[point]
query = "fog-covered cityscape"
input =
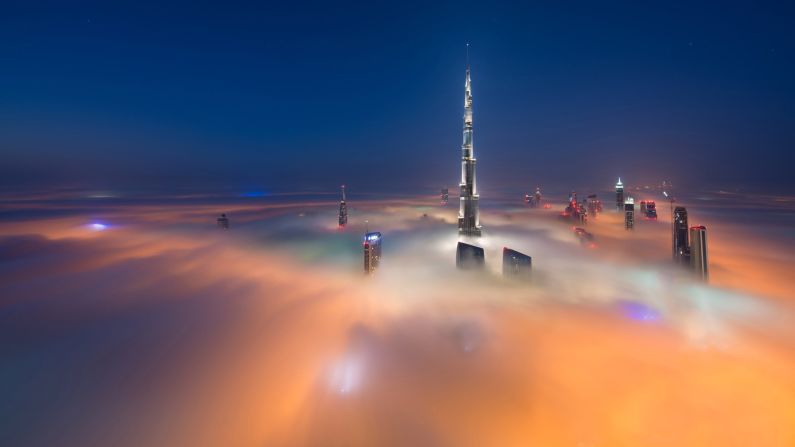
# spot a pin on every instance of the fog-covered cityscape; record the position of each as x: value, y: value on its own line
x: 247, y: 257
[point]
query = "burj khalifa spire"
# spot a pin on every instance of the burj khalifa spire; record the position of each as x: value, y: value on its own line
x: 468, y: 213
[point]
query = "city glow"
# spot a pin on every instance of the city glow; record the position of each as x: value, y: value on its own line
x: 275, y: 320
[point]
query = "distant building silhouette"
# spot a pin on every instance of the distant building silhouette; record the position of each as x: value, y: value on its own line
x: 582, y: 213
x: 651, y: 210
x: 469, y: 257
x: 515, y: 264
x: 343, y: 217
x: 445, y: 196
x: 594, y: 206
x: 533, y: 200
x: 223, y: 222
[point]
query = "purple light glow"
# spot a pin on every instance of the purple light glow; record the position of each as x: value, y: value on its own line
x: 639, y: 311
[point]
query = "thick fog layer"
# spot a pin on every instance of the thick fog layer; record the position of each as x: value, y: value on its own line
x: 142, y: 323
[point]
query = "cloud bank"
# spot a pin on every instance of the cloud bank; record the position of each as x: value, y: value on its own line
x: 159, y: 329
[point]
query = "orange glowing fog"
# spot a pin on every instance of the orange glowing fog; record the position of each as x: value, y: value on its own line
x: 164, y: 330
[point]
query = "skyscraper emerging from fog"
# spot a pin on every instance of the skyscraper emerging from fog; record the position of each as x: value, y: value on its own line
x: 619, y: 195
x: 698, y: 251
x: 516, y: 264
x: 372, y: 251
x: 681, y: 247
x: 629, y: 213
x: 469, y: 257
x: 468, y: 213
x: 223, y: 222
x: 594, y: 206
x: 343, y: 218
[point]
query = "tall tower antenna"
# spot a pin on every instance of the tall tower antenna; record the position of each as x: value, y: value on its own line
x: 468, y: 213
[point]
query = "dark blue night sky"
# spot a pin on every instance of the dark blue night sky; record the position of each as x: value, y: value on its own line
x: 293, y: 96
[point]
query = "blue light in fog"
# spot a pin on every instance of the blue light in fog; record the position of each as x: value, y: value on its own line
x: 254, y: 194
x: 639, y: 311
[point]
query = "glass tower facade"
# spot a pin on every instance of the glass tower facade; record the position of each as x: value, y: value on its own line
x: 468, y: 213
x: 469, y: 257
x: 698, y: 251
x: 681, y: 246
x: 372, y: 251
x: 516, y: 264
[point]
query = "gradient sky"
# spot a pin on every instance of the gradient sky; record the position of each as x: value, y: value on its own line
x: 308, y: 96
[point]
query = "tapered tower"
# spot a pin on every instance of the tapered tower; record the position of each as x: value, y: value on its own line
x: 619, y: 195
x: 468, y: 213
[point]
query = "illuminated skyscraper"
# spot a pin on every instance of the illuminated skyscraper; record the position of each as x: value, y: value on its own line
x: 681, y: 247
x: 372, y: 251
x: 223, y: 222
x: 445, y: 196
x: 619, y: 195
x: 468, y: 213
x: 629, y: 213
x: 698, y: 251
x: 515, y: 264
x: 469, y: 257
x: 343, y: 218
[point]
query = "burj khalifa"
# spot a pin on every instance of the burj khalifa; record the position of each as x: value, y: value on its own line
x: 468, y: 213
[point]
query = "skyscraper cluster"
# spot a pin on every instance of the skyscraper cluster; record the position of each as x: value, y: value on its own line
x: 594, y: 206
x: 575, y: 210
x: 648, y: 208
x: 534, y: 200
x: 689, y: 244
